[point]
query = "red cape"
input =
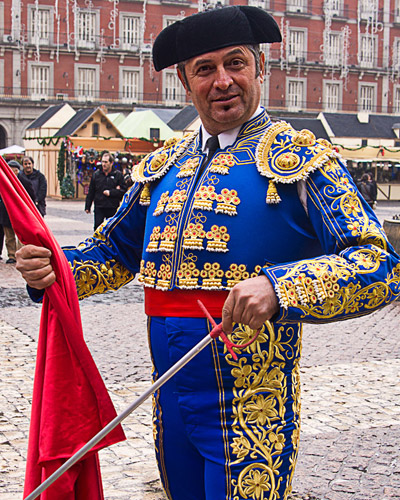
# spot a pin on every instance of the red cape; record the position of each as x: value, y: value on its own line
x: 70, y: 401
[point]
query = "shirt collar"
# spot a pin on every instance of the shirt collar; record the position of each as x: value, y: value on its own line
x: 225, y: 138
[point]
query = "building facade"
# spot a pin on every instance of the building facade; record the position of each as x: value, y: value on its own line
x: 336, y: 56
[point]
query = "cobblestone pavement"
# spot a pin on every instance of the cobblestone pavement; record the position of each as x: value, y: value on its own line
x: 350, y: 444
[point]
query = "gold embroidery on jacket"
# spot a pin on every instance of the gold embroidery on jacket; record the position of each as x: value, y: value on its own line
x: 204, y: 198
x: 188, y: 275
x: 154, y: 239
x: 227, y: 202
x: 148, y: 273
x: 168, y: 239
x: 164, y: 198
x: 164, y: 277
x: 193, y: 237
x: 93, y: 277
x: 218, y: 238
x: 222, y: 163
x: 176, y: 201
x: 188, y: 169
x: 330, y: 299
x: 210, y: 276
x: 236, y: 274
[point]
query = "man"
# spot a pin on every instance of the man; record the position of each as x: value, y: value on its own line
x: 268, y: 227
x: 38, y: 182
x: 106, y: 189
x: 12, y: 242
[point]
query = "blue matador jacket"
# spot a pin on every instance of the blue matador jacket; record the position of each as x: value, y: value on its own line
x: 277, y: 201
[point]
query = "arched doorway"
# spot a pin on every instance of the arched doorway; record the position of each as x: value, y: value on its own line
x: 3, y: 138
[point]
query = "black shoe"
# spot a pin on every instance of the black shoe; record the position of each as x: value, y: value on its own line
x: 11, y: 261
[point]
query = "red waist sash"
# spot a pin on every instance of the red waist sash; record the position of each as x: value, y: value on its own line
x: 183, y: 303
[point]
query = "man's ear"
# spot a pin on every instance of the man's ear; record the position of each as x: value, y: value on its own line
x: 262, y: 66
x: 183, y: 81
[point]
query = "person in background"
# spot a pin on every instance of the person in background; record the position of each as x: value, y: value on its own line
x: 374, y: 188
x: 12, y: 243
x: 366, y: 188
x: 38, y: 181
x: 1, y: 240
x: 127, y: 173
x: 106, y: 189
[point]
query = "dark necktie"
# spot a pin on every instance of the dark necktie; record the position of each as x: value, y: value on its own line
x: 212, y: 144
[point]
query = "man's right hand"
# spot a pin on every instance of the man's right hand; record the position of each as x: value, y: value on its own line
x: 87, y: 211
x: 34, y: 264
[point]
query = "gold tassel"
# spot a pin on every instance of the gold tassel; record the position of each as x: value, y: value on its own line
x: 272, y: 194
x: 145, y: 195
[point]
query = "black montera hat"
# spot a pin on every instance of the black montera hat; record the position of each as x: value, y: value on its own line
x: 212, y: 30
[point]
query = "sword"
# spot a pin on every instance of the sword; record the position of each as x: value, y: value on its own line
x: 215, y: 333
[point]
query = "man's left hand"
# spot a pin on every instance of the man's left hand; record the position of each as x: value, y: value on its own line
x: 106, y: 192
x: 251, y: 302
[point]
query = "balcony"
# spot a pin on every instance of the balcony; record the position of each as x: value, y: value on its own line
x: 296, y: 59
x: 186, y: 3
x: 297, y: 7
x: 86, y: 44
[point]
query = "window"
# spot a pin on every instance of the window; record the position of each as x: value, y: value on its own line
x: 367, y: 97
x: 155, y: 134
x: 332, y: 97
x: 167, y: 21
x: 130, y: 85
x: 95, y: 129
x: 39, y: 29
x: 172, y: 88
x: 367, y: 9
x: 263, y: 4
x: 295, y: 94
x: 296, y: 5
x: 333, y: 49
x: 333, y: 7
x: 396, y: 53
x: 396, y: 100
x: 86, y: 83
x: 217, y: 3
x: 296, y: 47
x: 367, y: 54
x: 86, y: 29
x: 2, y: 75
x: 130, y: 32
x: 397, y: 12
x: 40, y: 81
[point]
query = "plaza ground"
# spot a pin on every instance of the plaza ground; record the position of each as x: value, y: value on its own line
x: 350, y: 441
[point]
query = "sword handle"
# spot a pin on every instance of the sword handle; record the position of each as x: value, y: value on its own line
x: 217, y: 331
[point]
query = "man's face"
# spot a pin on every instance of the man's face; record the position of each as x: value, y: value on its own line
x: 106, y: 164
x: 27, y: 166
x: 223, y: 87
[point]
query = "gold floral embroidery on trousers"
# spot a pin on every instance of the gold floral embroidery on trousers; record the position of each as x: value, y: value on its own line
x: 259, y: 409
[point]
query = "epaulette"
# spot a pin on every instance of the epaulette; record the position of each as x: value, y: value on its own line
x: 156, y: 164
x: 285, y: 155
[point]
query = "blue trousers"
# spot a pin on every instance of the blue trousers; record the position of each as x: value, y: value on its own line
x: 225, y: 429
